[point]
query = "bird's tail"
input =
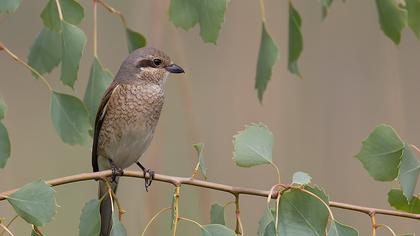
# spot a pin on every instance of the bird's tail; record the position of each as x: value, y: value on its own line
x: 106, y: 206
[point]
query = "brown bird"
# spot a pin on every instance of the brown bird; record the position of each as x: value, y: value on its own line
x: 127, y: 118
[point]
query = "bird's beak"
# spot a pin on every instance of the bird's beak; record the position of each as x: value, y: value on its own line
x: 174, y: 68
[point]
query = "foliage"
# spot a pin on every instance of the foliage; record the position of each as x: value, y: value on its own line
x: 301, y: 208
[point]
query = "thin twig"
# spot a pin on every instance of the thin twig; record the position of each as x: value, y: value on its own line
x: 153, y: 219
x: 16, y: 58
x: 114, y: 11
x: 373, y: 222
x: 389, y: 228
x: 10, y: 223
x: 6, y: 229
x: 60, y: 12
x: 176, y: 181
x: 176, y: 210
x: 262, y: 8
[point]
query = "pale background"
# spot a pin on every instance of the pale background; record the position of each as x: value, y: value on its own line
x: 354, y: 79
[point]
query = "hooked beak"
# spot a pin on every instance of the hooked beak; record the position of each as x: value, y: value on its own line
x: 174, y: 68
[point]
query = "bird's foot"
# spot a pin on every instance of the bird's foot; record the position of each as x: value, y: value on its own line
x: 149, y: 175
x: 116, y: 171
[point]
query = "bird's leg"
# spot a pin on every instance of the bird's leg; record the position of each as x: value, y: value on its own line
x: 148, y: 176
x: 116, y: 171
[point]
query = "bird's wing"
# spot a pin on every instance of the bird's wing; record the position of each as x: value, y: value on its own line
x: 100, y: 116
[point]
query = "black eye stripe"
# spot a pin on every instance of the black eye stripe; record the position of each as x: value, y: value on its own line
x: 145, y: 63
x: 149, y: 63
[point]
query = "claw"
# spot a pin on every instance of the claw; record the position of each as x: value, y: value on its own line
x: 148, y: 176
x: 116, y: 171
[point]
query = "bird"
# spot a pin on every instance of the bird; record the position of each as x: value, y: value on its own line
x: 126, y: 120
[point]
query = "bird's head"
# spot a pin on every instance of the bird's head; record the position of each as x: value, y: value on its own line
x: 148, y: 64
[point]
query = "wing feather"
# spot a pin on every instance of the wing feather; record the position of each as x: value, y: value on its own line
x: 100, y: 116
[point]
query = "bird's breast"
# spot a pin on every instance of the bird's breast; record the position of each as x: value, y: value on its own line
x: 130, y: 120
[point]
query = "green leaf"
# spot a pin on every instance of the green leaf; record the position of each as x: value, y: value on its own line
x: 270, y: 230
x: 90, y: 220
x: 266, y: 220
x: 72, y: 13
x: 325, y: 7
x: 118, y: 228
x: 4, y: 145
x: 3, y: 108
x: 74, y: 42
x: 319, y: 192
x: 392, y: 18
x: 406, y: 235
x: 70, y: 118
x: 45, y: 52
x: 217, y: 214
x: 302, y: 214
x: 301, y: 178
x: 339, y: 229
x: 217, y: 230
x: 199, y: 148
x: 413, y: 16
x: 134, y: 40
x: 397, y: 200
x: 295, y: 40
x: 381, y: 153
x: 409, y: 172
x: 253, y: 146
x: 267, y: 56
x: 99, y: 80
x: 183, y: 13
x: 210, y: 14
x: 34, y: 202
x: 9, y: 6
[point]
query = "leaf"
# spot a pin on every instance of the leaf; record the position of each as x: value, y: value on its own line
x: 319, y: 192
x: 392, y: 18
x: 409, y: 171
x: 183, y: 13
x: 339, y: 229
x: 301, y: 178
x: 45, y: 52
x: 34, y: 202
x: 217, y: 230
x: 199, y: 148
x: 270, y: 230
x: 3, y: 108
x: 134, y: 40
x: 72, y: 13
x: 413, y: 16
x: 217, y: 214
x: 302, y: 214
x: 267, y: 56
x: 325, y: 7
x: 266, y: 220
x: 397, y: 200
x: 99, y: 80
x: 210, y: 14
x: 4, y: 145
x: 381, y: 153
x: 295, y: 40
x: 74, y: 42
x: 90, y: 220
x: 70, y: 118
x: 9, y: 6
x: 117, y: 229
x: 253, y: 146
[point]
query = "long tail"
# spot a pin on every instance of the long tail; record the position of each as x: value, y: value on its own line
x: 106, y: 206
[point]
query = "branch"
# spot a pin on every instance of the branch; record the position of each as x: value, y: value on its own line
x: 178, y: 181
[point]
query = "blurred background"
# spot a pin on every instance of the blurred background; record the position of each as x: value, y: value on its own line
x: 354, y: 79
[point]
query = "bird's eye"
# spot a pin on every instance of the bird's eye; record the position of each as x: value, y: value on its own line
x: 157, y: 62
